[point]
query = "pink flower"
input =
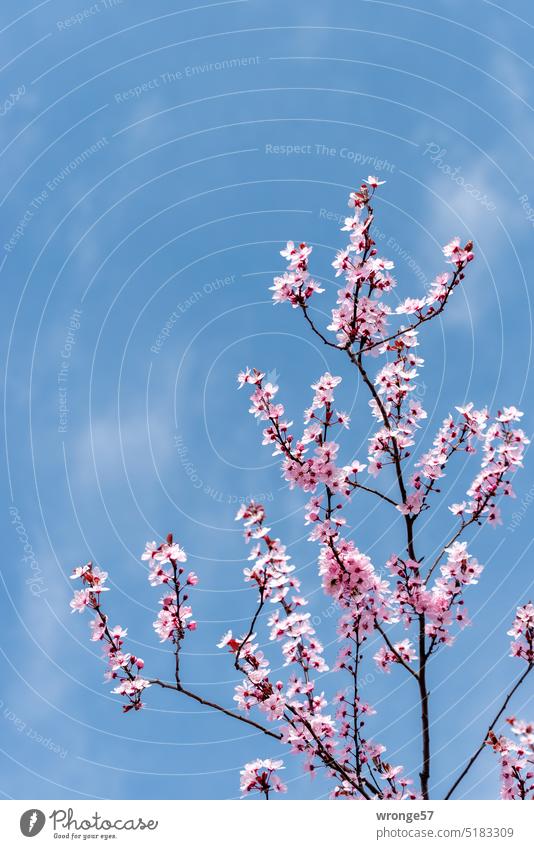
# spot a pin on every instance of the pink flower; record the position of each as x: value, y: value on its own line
x: 170, y: 551
x: 516, y: 760
x: 458, y: 509
x: 273, y: 706
x: 98, y: 626
x: 166, y: 624
x: 509, y: 414
x: 81, y: 600
x: 225, y: 640
x: 80, y: 571
x: 412, y: 505
x: 457, y: 255
x: 130, y: 687
x: 249, y: 377
x: 410, y: 306
x: 296, y: 255
x: 150, y: 551
x: 374, y: 182
x: 494, y: 515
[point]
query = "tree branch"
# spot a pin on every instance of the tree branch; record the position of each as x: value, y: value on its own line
x: 179, y: 688
x: 474, y: 757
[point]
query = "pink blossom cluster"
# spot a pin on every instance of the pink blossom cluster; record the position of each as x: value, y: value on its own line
x: 295, y: 285
x: 445, y: 602
x: 451, y: 437
x: 503, y: 450
x: 523, y: 633
x: 175, y: 616
x: 517, y: 756
x: 289, y: 623
x: 260, y: 776
x: 93, y: 580
x: 516, y: 760
x: 307, y: 728
x: 346, y: 573
x: 257, y: 689
x: 122, y: 667
x: 173, y: 620
x: 360, y: 755
x: 361, y: 315
x: 401, y: 651
x: 306, y: 472
x: 349, y: 576
x: 502, y: 453
x: 395, y: 408
x: 440, y: 602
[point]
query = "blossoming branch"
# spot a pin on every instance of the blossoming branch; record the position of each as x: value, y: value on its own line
x: 417, y: 611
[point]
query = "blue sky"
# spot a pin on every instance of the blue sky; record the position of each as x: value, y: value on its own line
x: 148, y: 170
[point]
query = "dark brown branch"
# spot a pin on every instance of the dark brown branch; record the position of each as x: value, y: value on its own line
x: 492, y: 725
x: 376, y: 492
x: 392, y: 649
x: 179, y: 688
x: 317, y: 332
x: 245, y: 639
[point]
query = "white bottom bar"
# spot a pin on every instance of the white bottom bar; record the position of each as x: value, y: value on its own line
x: 225, y: 825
